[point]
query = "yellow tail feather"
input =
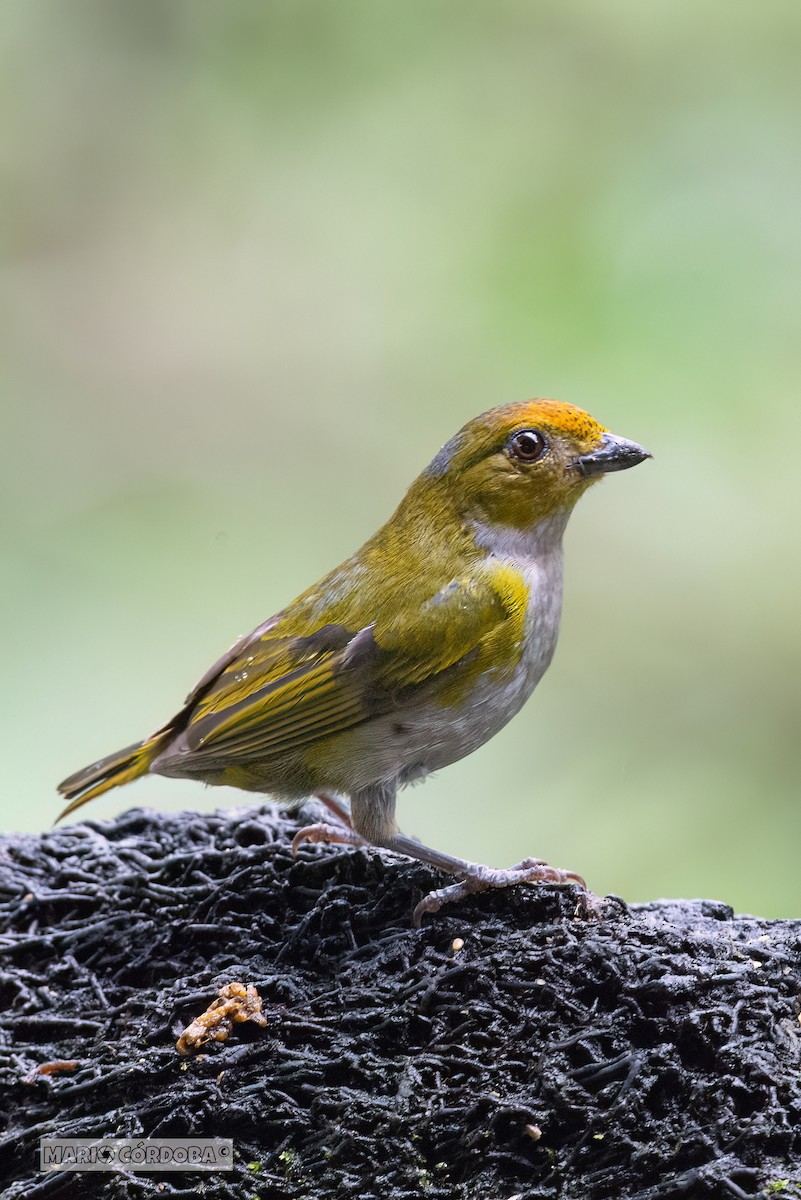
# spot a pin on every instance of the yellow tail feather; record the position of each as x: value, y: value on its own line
x: 113, y: 771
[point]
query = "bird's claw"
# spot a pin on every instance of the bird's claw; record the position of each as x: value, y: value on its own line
x: 321, y: 832
x: 326, y: 832
x: 530, y: 870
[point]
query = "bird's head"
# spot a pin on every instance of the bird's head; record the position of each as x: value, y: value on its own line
x: 517, y: 464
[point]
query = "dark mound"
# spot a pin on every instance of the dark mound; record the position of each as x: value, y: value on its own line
x: 651, y: 1054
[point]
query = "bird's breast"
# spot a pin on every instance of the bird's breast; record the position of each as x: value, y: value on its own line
x: 543, y: 615
x: 426, y: 736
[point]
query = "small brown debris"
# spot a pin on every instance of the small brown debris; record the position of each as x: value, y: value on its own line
x: 234, y: 1004
x: 50, y: 1068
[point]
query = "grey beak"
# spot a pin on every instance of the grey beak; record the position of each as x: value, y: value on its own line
x: 615, y: 454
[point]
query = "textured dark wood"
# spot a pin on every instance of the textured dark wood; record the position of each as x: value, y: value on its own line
x: 655, y: 1053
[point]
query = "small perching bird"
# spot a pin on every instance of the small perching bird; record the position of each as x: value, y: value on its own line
x: 408, y: 656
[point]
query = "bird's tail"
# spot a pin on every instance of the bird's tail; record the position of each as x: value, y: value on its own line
x: 110, y: 772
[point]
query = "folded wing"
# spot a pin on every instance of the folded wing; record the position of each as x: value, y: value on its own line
x: 283, y: 691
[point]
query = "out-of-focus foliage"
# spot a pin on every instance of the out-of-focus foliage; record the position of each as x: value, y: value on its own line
x: 260, y: 260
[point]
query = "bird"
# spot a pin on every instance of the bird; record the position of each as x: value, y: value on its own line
x: 408, y: 656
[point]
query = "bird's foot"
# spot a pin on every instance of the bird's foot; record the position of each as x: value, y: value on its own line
x: 343, y: 832
x: 480, y: 878
x: 322, y: 832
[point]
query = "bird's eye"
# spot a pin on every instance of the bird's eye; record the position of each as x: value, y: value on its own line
x: 528, y: 445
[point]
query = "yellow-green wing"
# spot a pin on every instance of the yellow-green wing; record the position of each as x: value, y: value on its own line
x: 282, y: 692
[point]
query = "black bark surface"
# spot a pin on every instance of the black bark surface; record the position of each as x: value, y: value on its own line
x: 651, y: 1054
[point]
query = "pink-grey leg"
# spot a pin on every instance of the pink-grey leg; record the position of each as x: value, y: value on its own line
x: 371, y: 822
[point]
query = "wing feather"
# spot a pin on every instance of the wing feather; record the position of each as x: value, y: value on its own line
x: 281, y: 691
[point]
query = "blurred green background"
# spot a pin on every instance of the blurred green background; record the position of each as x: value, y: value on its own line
x: 259, y: 260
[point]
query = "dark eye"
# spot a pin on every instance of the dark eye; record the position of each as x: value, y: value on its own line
x: 528, y: 445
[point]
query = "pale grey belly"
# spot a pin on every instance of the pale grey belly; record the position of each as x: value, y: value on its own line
x: 411, y: 743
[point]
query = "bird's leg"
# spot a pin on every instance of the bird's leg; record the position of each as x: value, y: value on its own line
x: 373, y: 816
x: 475, y: 876
x: 323, y: 831
x: 339, y: 808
